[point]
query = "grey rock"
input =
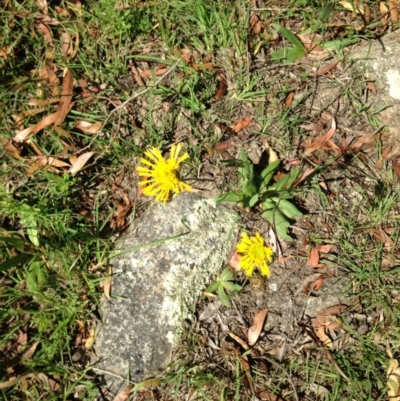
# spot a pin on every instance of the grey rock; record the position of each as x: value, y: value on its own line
x: 166, y: 260
x: 380, y: 59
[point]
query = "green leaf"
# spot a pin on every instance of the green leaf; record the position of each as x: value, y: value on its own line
x: 339, y: 44
x: 15, y: 242
x: 253, y: 200
x: 15, y: 261
x: 287, y: 208
x: 232, y: 197
x: 227, y: 274
x: 213, y: 287
x: 326, y: 11
x: 37, y: 276
x: 231, y: 286
x: 279, y: 221
x: 224, y: 297
x: 287, y: 55
x: 268, y: 173
x: 249, y: 188
x: 290, y: 37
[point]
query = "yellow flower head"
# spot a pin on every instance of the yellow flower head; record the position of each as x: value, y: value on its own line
x: 254, y: 253
x: 162, y: 174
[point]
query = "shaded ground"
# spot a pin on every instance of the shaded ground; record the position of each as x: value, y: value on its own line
x: 205, y: 74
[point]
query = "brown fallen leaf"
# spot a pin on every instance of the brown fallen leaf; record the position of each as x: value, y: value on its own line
x: 29, y: 353
x: 327, y: 320
x: 46, y: 32
x: 87, y: 127
x: 394, y: 12
x: 55, y: 386
x: 372, y: 87
x: 306, y: 173
x: 312, y: 127
x: 90, y: 340
x: 80, y: 162
x: 256, y: 328
x: 34, y: 129
x: 123, y: 394
x: 234, y: 262
x: 242, y: 124
x: 222, y: 87
x: 396, y: 166
x: 15, y: 380
x: 44, y: 161
x: 107, y: 283
x: 289, y: 100
x: 313, y: 258
x: 10, y: 148
x: 66, y: 97
x: 65, y: 40
x: 393, y: 380
x: 42, y: 4
x: 325, y: 69
x: 221, y: 146
x: 321, y: 141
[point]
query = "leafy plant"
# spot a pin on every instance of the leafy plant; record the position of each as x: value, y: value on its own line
x: 223, y: 283
x: 273, y: 198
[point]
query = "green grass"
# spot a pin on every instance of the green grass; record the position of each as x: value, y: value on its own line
x: 57, y: 230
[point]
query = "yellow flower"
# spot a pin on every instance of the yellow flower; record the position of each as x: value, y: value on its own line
x: 254, y: 253
x: 162, y: 174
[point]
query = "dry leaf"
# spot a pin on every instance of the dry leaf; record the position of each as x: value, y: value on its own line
x: 396, y: 166
x: 289, y: 100
x: 42, y: 4
x: 317, y: 284
x: 241, y: 342
x: 29, y: 353
x: 234, y: 262
x: 394, y: 12
x: 393, y: 380
x: 45, y: 30
x: 312, y: 127
x: 256, y: 328
x: 327, y: 320
x: 353, y: 6
x: 321, y: 141
x: 80, y: 162
x: 66, y: 97
x: 308, y: 172
x: 221, y: 146
x: 65, y: 40
x: 107, y: 284
x: 372, y: 87
x: 272, y: 156
x: 222, y: 87
x: 242, y: 124
x: 10, y: 148
x: 24, y: 134
x: 325, y: 69
x: 90, y: 340
x: 15, y: 380
x: 48, y: 381
x: 6, y: 52
x: 46, y: 161
x: 313, y: 258
x: 123, y: 395
x: 87, y: 127
x: 325, y: 248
